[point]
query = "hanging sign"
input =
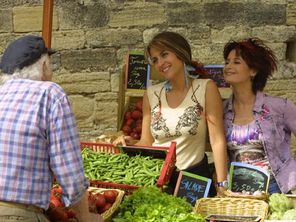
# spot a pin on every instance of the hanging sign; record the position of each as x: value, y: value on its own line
x: 137, y: 72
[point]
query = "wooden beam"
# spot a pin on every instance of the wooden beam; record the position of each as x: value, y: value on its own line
x: 47, y: 22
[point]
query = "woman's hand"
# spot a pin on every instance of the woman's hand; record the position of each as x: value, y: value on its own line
x: 221, y: 192
x: 122, y: 140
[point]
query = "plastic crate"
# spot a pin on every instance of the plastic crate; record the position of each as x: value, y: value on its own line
x: 166, y: 171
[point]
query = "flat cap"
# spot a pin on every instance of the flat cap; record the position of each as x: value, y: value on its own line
x: 23, y: 52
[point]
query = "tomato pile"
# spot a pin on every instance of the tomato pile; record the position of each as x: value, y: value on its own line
x: 57, y: 210
x: 132, y: 123
x: 99, y: 202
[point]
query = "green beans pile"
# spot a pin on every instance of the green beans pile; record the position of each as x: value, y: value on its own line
x: 121, y: 168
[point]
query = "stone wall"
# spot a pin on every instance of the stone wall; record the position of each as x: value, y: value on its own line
x: 93, y: 36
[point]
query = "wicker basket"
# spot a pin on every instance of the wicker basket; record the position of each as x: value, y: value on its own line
x: 232, y: 206
x: 107, y: 215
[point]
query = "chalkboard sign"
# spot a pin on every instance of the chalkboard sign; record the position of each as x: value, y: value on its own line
x: 137, y: 72
x: 192, y: 186
x: 215, y: 72
x: 248, y: 178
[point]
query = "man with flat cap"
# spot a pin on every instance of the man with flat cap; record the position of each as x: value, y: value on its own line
x: 39, y: 140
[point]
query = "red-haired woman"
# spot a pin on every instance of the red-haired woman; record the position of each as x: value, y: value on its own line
x: 258, y: 126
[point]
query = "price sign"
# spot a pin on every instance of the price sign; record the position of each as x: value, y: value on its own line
x: 137, y: 72
x: 215, y: 72
x: 248, y: 178
x: 192, y: 186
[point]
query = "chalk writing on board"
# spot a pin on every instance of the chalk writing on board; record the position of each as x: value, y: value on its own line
x: 138, y: 71
x: 248, y: 178
x: 192, y: 187
x: 215, y: 72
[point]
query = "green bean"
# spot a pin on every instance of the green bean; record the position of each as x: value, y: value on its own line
x: 120, y: 168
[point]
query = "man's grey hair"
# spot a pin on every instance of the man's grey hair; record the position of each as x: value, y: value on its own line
x: 33, y: 72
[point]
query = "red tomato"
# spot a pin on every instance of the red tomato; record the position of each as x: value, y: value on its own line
x: 126, y: 129
x: 129, y: 122
x: 139, y: 105
x: 139, y: 122
x: 138, y: 129
x: 92, y: 203
x: 115, y: 192
x: 100, y: 200
x: 127, y: 115
x: 105, y: 208
x: 136, y: 114
x: 110, y: 196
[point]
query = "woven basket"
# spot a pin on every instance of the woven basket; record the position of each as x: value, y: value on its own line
x: 107, y: 215
x: 232, y: 206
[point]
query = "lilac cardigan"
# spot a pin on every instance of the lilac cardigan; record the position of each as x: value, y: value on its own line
x: 276, y: 118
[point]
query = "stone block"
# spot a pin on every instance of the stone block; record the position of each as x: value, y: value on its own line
x: 115, y: 83
x: 55, y: 61
x: 106, y: 96
x: 84, y: 83
x: 149, y: 33
x: 68, y: 40
x: 113, y: 37
x: 74, y: 15
x: 199, y: 34
x: 184, y: 13
x: 93, y: 60
x: 249, y: 14
x: 281, y: 85
x: 208, y: 54
x: 106, y: 113
x: 291, y: 13
x: 279, y: 50
x: 29, y: 19
x: 230, y: 33
x: 11, y: 3
x: 5, y: 20
x: 137, y: 15
x: 82, y: 107
x: 286, y: 70
x: 274, y: 33
x: 5, y: 39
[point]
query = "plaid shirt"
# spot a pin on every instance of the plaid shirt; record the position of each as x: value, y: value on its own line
x: 38, y: 140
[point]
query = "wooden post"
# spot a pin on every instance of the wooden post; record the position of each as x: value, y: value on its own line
x: 47, y: 22
x: 121, y: 98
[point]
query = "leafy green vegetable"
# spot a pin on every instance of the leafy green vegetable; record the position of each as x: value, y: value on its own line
x: 149, y: 204
x: 289, y: 215
x: 279, y: 203
x: 275, y: 216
